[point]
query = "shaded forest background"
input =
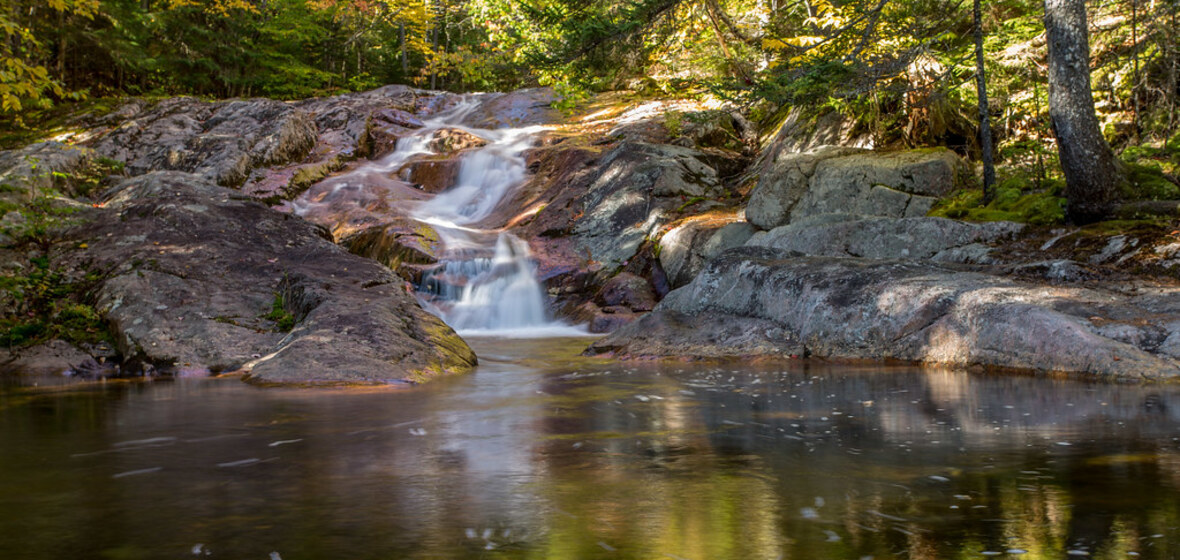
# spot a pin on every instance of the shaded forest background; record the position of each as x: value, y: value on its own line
x: 903, y: 72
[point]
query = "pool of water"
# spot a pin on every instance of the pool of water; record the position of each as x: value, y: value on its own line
x: 542, y: 454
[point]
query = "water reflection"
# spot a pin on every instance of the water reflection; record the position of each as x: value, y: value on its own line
x: 559, y: 457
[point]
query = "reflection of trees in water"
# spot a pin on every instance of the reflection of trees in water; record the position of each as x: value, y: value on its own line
x: 867, y: 445
x: 657, y: 459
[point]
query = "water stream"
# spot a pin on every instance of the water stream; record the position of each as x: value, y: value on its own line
x: 485, y: 282
x: 544, y: 454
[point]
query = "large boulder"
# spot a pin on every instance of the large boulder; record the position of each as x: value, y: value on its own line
x: 848, y: 180
x: 906, y: 310
x: 840, y: 235
x: 635, y: 191
x: 195, y: 278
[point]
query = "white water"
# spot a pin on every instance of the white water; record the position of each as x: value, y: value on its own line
x: 486, y: 281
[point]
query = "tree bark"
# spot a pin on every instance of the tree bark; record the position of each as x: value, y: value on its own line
x: 985, y: 129
x: 1092, y: 174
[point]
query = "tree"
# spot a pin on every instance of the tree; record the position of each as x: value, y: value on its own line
x: 23, y: 78
x: 1092, y: 174
x: 985, y: 129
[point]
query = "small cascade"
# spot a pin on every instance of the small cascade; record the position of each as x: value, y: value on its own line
x: 486, y: 280
x: 496, y: 293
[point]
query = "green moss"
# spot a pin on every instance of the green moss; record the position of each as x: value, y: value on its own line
x: 1015, y: 200
x: 307, y: 176
x: 1147, y: 182
x: 284, y: 321
x: 674, y: 123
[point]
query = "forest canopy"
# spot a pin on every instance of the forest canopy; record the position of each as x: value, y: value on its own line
x: 904, y: 69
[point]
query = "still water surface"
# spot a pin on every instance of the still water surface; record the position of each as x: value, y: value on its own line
x: 540, y: 454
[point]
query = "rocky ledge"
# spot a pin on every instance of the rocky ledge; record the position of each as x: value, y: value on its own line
x: 760, y: 301
x: 197, y: 279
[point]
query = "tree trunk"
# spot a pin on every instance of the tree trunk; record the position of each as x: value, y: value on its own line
x: 1135, y: 125
x: 401, y: 36
x: 1092, y: 174
x: 985, y: 128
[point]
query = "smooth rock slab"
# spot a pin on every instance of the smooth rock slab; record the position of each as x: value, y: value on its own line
x: 189, y: 271
x: 939, y: 239
x: 906, y: 310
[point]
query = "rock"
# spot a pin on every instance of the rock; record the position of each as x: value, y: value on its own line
x: 603, y: 320
x: 785, y: 182
x: 803, y: 130
x: 634, y: 191
x: 1116, y: 248
x: 221, y: 141
x: 349, y: 203
x: 523, y: 107
x: 401, y: 241
x: 629, y: 291
x: 905, y: 310
x: 56, y: 357
x: 190, y: 274
x: 844, y: 180
x: 432, y: 175
x: 670, y: 333
x: 686, y: 248
x: 399, y: 117
x: 1061, y: 270
x: 936, y: 239
x: 448, y: 140
x: 727, y: 130
x: 40, y: 165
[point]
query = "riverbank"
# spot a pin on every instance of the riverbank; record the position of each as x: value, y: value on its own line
x: 665, y: 221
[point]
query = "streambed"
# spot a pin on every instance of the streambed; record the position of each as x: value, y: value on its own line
x: 541, y: 453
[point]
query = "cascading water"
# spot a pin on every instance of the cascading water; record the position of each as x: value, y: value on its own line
x: 486, y: 279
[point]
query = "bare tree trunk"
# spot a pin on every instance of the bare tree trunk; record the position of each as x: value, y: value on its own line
x: 1092, y: 174
x: 985, y: 128
x: 1135, y: 126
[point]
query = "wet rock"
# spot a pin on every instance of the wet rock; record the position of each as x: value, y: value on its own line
x: 906, y: 310
x: 523, y: 107
x: 432, y: 175
x: 448, y: 140
x: 845, y: 180
x: 401, y: 241
x: 192, y: 277
x: 56, y: 357
x: 399, y: 117
x: 936, y: 239
x: 603, y: 320
x: 685, y: 249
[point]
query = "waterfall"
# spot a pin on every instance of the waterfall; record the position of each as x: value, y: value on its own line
x: 486, y: 280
